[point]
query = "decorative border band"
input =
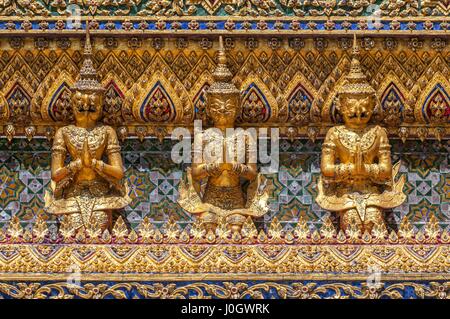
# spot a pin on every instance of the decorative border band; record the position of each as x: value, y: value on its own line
x: 229, y: 26
x: 226, y: 290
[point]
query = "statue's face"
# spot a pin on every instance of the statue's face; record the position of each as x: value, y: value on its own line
x: 223, y: 110
x: 87, y: 106
x: 357, y: 110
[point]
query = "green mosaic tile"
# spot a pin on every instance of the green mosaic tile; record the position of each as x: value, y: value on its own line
x: 154, y: 180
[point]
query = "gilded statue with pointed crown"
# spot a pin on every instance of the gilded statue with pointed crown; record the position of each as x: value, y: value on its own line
x: 223, y: 181
x: 91, y: 184
x: 358, y: 180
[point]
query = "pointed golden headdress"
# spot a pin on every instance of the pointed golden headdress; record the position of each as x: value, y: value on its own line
x: 356, y: 81
x: 87, y: 81
x: 222, y: 76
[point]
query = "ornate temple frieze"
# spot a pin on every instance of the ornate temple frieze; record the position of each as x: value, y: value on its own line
x: 206, y: 17
x: 294, y: 82
x: 91, y: 92
x: 227, y: 8
x: 274, y: 253
x: 201, y: 26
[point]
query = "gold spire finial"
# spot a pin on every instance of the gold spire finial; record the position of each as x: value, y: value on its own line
x: 221, y: 43
x: 88, y: 45
x: 87, y: 81
x: 355, y: 45
x: 222, y: 75
x: 222, y: 54
x: 356, y: 81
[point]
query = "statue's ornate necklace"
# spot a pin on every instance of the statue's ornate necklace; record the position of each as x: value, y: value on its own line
x: 77, y: 135
x: 229, y: 144
x: 351, y: 139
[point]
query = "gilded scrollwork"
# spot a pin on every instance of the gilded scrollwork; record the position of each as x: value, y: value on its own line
x: 290, y: 263
x: 225, y: 290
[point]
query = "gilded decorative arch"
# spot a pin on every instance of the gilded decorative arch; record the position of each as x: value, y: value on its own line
x: 393, y: 97
x: 55, y: 106
x: 433, y: 105
x: 54, y: 86
x: 18, y: 95
x: 113, y: 105
x: 299, y: 95
x: 257, y: 102
x: 156, y: 101
x: 198, y: 96
x: 328, y: 110
x: 112, y: 69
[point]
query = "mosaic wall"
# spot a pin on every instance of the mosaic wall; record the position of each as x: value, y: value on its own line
x: 154, y: 179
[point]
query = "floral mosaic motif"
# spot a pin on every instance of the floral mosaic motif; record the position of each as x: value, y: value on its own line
x: 139, y: 189
x: 158, y: 106
x: 392, y: 102
x: 437, y: 105
x: 300, y: 102
x: 60, y: 107
x: 255, y: 107
x: 112, y: 110
x: 19, y: 103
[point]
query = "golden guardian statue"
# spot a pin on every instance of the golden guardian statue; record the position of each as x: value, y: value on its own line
x: 88, y: 188
x: 357, y: 178
x: 215, y: 186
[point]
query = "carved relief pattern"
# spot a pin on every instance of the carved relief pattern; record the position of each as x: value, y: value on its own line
x: 154, y: 180
x: 154, y: 84
x: 226, y: 289
x: 274, y: 93
x: 200, y: 104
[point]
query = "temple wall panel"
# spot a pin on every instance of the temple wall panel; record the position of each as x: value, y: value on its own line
x: 161, y: 66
